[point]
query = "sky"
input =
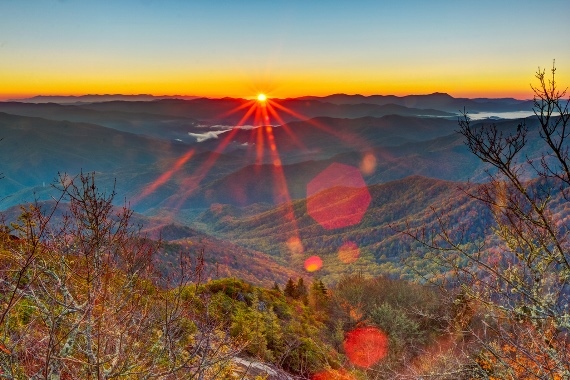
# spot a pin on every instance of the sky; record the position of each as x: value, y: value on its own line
x: 284, y: 48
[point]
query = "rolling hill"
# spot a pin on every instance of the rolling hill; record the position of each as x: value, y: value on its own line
x: 382, y: 248
x: 233, y: 201
x: 222, y: 258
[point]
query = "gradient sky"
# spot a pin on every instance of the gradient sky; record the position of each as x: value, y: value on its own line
x: 281, y: 47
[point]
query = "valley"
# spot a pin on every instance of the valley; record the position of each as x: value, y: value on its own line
x: 229, y: 187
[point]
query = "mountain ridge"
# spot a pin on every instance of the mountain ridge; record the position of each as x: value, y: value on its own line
x: 90, y: 98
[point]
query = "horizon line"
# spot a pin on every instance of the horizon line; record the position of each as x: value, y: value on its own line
x: 18, y: 97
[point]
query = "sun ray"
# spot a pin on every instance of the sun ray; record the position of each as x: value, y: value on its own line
x: 285, y: 109
x: 282, y: 191
x: 286, y: 128
x: 257, y: 117
x: 165, y: 177
x: 262, y: 111
x: 281, y: 194
x: 350, y: 138
x: 190, y: 185
x: 251, y: 109
x: 250, y: 103
x: 260, y: 146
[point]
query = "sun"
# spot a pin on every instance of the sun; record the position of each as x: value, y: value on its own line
x: 261, y: 98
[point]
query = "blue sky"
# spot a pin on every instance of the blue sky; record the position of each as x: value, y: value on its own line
x: 289, y: 47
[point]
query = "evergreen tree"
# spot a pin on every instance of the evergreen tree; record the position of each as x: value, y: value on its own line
x: 290, y: 289
x: 301, y: 291
x: 321, y: 287
x: 276, y: 287
x: 318, y: 295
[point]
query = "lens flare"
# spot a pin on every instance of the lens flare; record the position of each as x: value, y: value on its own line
x: 333, y: 374
x: 295, y: 246
x: 365, y: 346
x: 348, y: 252
x: 165, y: 177
x: 313, y: 264
x: 264, y: 114
x: 368, y: 164
x: 338, y: 197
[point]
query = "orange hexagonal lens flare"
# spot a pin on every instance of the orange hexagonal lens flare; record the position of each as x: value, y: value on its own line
x: 368, y: 164
x: 295, y: 245
x: 313, y: 264
x: 365, y: 346
x: 333, y: 374
x: 348, y: 252
x: 338, y: 197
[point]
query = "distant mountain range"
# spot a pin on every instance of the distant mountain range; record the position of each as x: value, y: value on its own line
x: 439, y: 101
x: 338, y: 105
x: 34, y: 150
x: 436, y: 101
x: 220, y: 110
x: 96, y: 98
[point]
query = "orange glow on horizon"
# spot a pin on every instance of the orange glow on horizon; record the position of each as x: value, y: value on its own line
x: 487, y: 89
x: 20, y: 84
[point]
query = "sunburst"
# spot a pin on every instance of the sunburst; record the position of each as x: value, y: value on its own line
x: 265, y: 113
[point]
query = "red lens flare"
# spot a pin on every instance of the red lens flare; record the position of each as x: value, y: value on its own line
x: 313, y: 264
x: 368, y: 164
x: 365, y: 346
x: 348, y: 252
x: 295, y: 246
x: 338, y: 197
x: 191, y: 183
x: 262, y: 110
x: 333, y: 374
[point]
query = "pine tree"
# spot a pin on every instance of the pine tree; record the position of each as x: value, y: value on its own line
x: 301, y: 291
x: 321, y: 287
x: 276, y: 287
x: 290, y: 289
x: 318, y: 295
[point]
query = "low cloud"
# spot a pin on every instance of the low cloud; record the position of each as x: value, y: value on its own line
x: 228, y: 127
x: 215, y: 126
x: 218, y: 130
x: 206, y: 136
x: 247, y: 127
